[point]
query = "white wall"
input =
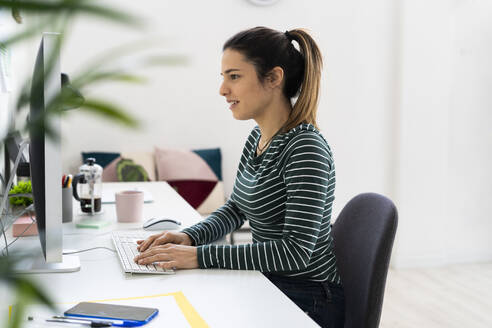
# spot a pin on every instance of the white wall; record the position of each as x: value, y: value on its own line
x: 443, y: 184
x: 470, y: 133
x: 404, y: 103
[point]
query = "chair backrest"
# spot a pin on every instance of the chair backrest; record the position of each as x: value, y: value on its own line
x: 363, y: 235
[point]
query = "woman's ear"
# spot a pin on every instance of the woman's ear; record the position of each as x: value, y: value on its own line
x: 275, y: 77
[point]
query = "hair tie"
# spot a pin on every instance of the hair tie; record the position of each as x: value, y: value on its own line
x: 288, y: 35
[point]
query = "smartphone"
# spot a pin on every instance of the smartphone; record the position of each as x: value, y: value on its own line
x: 127, y: 316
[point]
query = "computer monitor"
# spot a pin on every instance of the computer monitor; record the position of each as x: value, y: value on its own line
x: 45, y: 163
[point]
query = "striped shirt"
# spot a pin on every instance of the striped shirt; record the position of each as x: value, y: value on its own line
x: 287, y: 194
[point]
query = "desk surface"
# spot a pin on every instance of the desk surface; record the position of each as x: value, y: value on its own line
x: 223, y: 298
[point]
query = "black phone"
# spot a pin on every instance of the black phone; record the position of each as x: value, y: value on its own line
x: 131, y: 316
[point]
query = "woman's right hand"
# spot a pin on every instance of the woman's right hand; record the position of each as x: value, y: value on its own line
x: 166, y: 237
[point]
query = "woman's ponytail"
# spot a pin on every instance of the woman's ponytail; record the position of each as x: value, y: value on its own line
x: 305, y: 108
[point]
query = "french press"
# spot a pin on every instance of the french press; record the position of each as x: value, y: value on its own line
x: 87, y: 187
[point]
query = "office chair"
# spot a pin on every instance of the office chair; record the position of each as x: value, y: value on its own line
x: 363, y: 238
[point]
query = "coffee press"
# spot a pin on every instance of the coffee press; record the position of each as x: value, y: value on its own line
x: 87, y: 187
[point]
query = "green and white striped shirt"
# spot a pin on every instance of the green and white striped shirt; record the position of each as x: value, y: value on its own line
x: 287, y: 194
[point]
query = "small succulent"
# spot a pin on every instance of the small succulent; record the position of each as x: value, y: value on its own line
x: 23, y: 187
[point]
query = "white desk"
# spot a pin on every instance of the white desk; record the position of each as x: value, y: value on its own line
x: 223, y: 298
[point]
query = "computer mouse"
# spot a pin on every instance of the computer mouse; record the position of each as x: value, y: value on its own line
x: 161, y: 224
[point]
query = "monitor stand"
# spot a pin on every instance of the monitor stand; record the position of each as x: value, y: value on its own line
x: 70, y: 263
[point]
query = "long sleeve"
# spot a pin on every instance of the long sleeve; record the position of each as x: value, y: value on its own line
x: 221, y: 222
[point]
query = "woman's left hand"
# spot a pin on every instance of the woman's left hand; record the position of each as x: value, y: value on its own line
x: 170, y: 256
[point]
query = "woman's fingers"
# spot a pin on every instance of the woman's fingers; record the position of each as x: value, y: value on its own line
x: 161, y: 240
x: 169, y: 265
x: 181, y: 257
x: 151, y: 252
x: 166, y: 237
x: 147, y: 242
x: 154, y: 258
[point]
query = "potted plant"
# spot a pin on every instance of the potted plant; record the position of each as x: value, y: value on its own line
x: 21, y: 195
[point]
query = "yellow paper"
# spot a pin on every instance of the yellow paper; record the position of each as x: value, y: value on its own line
x: 189, y: 312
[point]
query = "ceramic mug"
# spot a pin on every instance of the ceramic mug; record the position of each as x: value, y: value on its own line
x: 129, y: 205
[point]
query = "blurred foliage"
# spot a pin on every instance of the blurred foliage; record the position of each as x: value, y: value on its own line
x: 57, y: 16
x: 27, y: 292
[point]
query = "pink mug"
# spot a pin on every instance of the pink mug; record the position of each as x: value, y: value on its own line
x: 129, y: 205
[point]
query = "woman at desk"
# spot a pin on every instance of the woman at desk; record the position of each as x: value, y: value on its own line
x: 285, y: 181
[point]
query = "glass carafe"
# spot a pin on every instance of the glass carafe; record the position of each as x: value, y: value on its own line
x: 87, y: 187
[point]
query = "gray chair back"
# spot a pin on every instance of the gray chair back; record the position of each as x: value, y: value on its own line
x: 363, y: 238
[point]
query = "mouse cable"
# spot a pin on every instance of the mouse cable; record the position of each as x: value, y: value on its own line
x: 89, y: 249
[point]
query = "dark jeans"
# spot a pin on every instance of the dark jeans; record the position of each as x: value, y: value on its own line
x: 324, y: 302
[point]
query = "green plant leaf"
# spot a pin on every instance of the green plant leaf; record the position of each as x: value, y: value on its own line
x: 66, y: 99
x: 108, y: 57
x: 16, y: 14
x: 111, y: 111
x: 71, y: 7
x: 97, y: 77
x: 33, y: 291
x: 168, y: 60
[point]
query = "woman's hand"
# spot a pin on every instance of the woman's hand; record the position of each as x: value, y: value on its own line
x: 167, y: 237
x: 170, y: 256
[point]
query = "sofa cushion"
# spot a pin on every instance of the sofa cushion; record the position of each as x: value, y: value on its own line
x: 195, y: 174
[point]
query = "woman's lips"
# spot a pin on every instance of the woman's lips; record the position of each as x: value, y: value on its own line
x: 233, y: 105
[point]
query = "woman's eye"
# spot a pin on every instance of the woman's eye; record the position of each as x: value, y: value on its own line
x: 234, y: 76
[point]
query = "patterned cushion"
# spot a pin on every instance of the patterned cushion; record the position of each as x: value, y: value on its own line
x: 196, y: 175
x: 127, y: 170
x: 145, y: 159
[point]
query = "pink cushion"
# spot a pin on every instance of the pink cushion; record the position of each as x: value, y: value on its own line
x: 175, y: 164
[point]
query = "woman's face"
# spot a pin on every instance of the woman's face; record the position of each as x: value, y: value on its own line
x: 244, y: 92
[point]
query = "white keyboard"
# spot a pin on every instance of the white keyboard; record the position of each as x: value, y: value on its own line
x: 125, y: 243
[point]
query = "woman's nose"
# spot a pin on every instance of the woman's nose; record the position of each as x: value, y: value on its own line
x: 223, y: 90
